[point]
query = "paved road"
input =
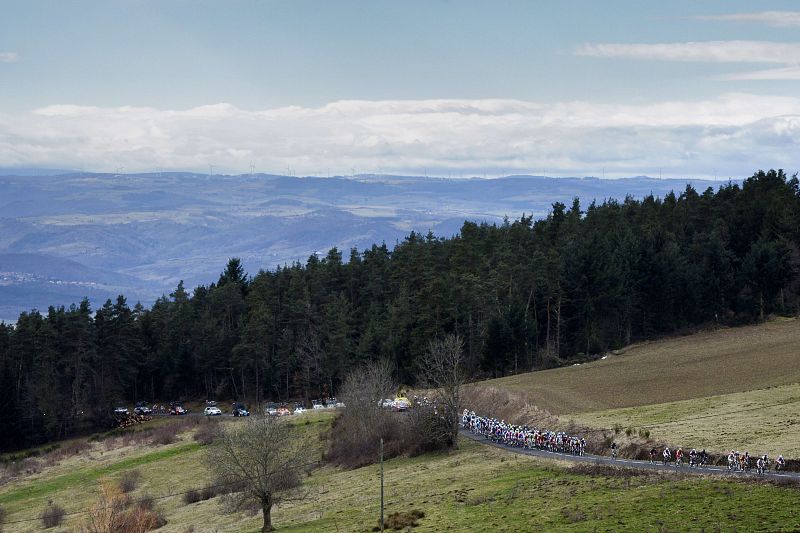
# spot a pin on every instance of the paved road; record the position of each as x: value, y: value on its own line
x: 629, y: 463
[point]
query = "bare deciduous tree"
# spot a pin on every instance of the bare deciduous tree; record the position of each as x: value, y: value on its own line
x: 444, y: 371
x: 265, y: 459
x: 355, y: 440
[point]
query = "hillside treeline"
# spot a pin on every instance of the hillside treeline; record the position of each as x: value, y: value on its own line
x: 523, y: 295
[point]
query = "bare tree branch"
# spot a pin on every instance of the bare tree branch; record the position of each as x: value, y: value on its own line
x: 265, y: 459
x: 444, y: 371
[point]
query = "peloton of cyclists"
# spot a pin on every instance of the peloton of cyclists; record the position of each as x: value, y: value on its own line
x: 508, y: 434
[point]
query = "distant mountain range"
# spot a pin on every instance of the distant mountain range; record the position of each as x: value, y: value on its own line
x: 66, y: 236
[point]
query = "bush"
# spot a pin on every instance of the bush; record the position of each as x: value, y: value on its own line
x: 146, y: 502
x: 401, y: 520
x: 114, y: 512
x: 129, y: 481
x: 53, y: 516
x: 193, y: 496
x: 428, y: 431
x: 209, y: 492
x: 163, y: 436
x: 354, y: 444
x: 207, y: 432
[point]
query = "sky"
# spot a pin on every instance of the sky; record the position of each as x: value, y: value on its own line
x: 438, y: 87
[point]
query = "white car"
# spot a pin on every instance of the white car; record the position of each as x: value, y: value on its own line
x: 387, y: 403
x: 212, y: 411
x: 299, y: 410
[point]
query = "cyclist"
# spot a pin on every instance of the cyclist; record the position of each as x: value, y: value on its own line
x: 667, y: 455
x: 678, y: 457
x: 703, y: 457
x: 780, y: 463
x: 653, y: 453
x: 613, y: 450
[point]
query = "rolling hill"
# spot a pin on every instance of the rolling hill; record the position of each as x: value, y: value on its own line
x: 722, y: 389
x: 156, y: 229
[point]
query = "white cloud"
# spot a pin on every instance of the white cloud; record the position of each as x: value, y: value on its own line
x: 732, y: 134
x: 707, y: 51
x: 8, y: 57
x: 786, y: 73
x: 777, y: 19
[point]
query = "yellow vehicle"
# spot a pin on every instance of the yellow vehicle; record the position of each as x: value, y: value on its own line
x: 401, y: 403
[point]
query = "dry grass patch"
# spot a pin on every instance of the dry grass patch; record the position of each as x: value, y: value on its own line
x: 760, y: 421
x: 700, y: 365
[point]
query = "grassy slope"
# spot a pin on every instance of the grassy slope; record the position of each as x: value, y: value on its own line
x: 477, y: 488
x: 705, y: 364
x: 760, y: 421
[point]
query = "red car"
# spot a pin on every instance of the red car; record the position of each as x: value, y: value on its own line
x: 177, y: 410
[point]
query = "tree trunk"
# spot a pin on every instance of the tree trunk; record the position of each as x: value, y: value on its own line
x: 558, y: 327
x: 266, y: 508
x: 547, y: 336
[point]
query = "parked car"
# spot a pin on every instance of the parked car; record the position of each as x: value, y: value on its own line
x: 336, y: 403
x: 401, y: 403
x: 387, y: 403
x: 119, y: 411
x: 212, y: 411
x: 271, y: 409
x: 142, y: 410
x: 283, y: 411
x: 239, y: 409
x: 177, y: 409
x: 299, y: 408
x: 317, y: 404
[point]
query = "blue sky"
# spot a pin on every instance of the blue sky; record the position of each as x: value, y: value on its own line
x: 400, y: 86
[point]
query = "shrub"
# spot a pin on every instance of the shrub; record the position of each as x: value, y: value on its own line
x: 401, y: 520
x: 628, y: 431
x: 113, y: 512
x: 140, y: 520
x: 129, y: 481
x: 427, y: 431
x: 193, y: 496
x: 207, y: 432
x: 163, y: 436
x: 146, y: 502
x: 53, y: 515
x: 209, y: 492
